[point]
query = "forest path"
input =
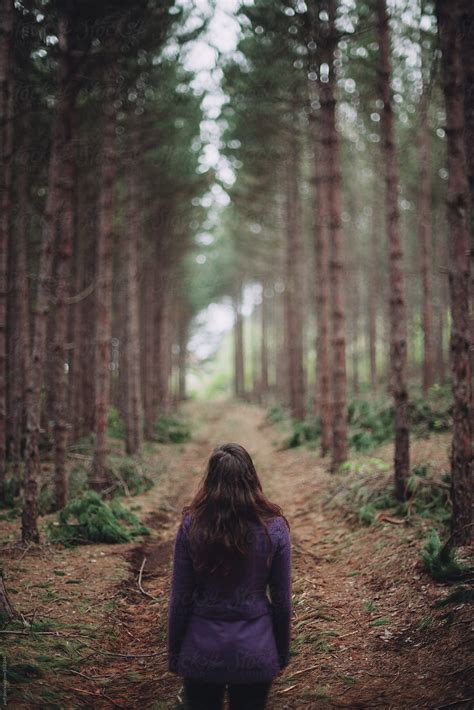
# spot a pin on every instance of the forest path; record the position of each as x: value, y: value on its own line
x: 365, y: 633
x: 358, y: 594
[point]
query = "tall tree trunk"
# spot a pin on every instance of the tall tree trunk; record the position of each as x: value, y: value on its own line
x: 373, y: 293
x: 134, y: 408
x: 355, y: 307
x: 424, y: 231
x: 264, y: 343
x: 76, y: 370
x: 458, y: 213
x: 239, y: 387
x: 294, y: 284
x: 148, y: 349
x: 321, y: 248
x: 66, y: 232
x: 98, y: 472
x: 398, y: 338
x: 35, y: 376
x: 441, y: 259
x: 21, y: 346
x: 6, y: 127
x: 466, y: 25
x: 182, y: 355
x: 336, y: 265
x: 7, y: 612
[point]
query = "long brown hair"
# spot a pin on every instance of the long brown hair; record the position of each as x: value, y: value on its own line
x: 229, y: 498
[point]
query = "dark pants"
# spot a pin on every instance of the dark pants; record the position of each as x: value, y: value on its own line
x: 210, y: 696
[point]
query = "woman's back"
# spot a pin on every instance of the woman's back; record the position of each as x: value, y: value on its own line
x: 230, y: 606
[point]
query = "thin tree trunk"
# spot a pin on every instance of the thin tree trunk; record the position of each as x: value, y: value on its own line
x: 373, y: 293
x: 7, y: 612
x: 442, y: 258
x: 424, y: 231
x: 321, y: 247
x: 76, y: 373
x: 134, y: 408
x: 98, y: 472
x: 21, y: 347
x: 60, y: 384
x: 355, y: 329
x: 458, y: 213
x: 398, y: 338
x: 264, y: 344
x: 466, y: 25
x: 336, y: 266
x: 6, y: 117
x: 148, y: 350
x: 182, y: 355
x: 165, y: 344
x: 239, y: 387
x: 35, y: 375
x: 293, y: 290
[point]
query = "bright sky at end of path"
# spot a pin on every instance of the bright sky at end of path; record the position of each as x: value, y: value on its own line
x: 201, y: 57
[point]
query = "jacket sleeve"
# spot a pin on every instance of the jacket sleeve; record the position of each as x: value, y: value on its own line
x: 280, y: 593
x: 180, y: 604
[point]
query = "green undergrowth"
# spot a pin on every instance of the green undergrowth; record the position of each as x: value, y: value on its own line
x: 172, y: 430
x: 33, y: 659
x: 440, y: 561
x: 89, y: 519
x: 462, y: 594
x: 368, y: 490
x: 168, y: 430
x: 371, y: 423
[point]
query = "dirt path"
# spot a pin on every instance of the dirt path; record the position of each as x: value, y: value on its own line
x: 365, y: 633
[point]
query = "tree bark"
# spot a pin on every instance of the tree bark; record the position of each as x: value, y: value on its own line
x: 182, y: 355
x: 98, y: 472
x: 21, y: 357
x: 293, y: 286
x: 458, y: 215
x: 134, y: 408
x: 398, y: 338
x: 148, y: 349
x: 425, y: 238
x: 466, y: 25
x: 66, y: 232
x: 321, y: 249
x: 239, y: 386
x: 336, y: 265
x: 7, y: 612
x: 6, y: 117
x: 264, y: 343
x: 35, y: 376
x: 373, y: 292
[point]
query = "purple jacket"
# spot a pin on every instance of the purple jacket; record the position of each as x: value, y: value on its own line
x: 232, y: 633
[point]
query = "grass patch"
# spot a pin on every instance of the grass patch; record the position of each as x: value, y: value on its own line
x: 424, y: 622
x: 383, y: 621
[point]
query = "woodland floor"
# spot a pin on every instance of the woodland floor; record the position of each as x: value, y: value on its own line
x: 365, y: 633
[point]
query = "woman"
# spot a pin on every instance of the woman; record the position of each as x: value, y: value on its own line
x: 223, y: 630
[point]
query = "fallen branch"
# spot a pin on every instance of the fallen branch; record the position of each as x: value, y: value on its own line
x: 280, y: 692
x: 388, y: 519
x: 147, y: 594
x: 92, y: 677
x: 310, y: 668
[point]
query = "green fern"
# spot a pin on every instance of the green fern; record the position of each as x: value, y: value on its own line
x: 439, y: 560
